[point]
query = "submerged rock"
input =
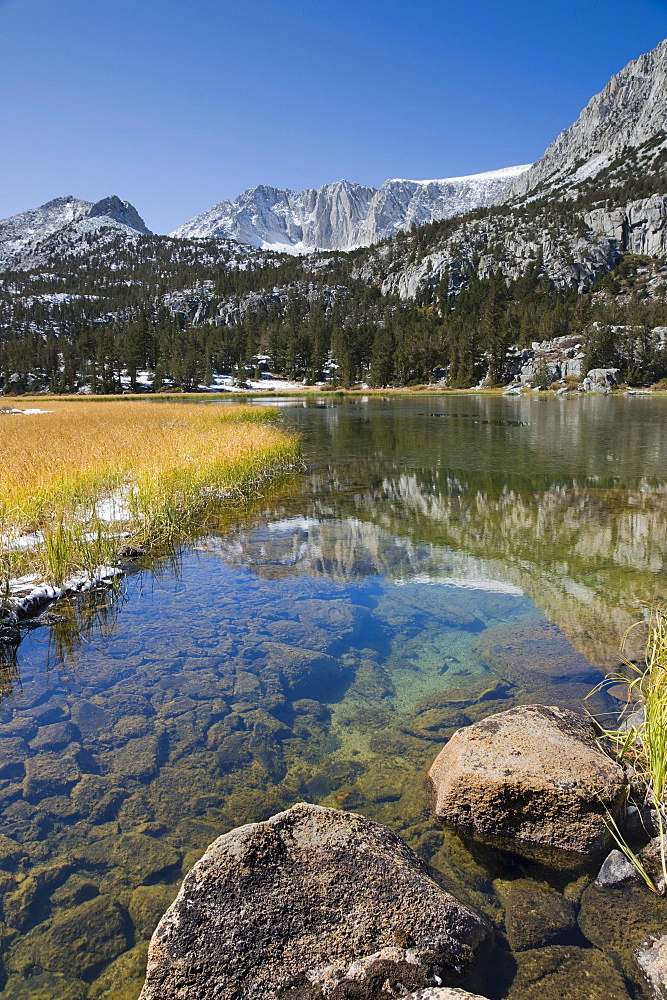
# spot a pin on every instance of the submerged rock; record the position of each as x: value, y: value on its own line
x: 562, y: 971
x: 534, y: 654
x: 309, y: 901
x: 619, y: 917
x: 537, y: 916
x: 534, y: 776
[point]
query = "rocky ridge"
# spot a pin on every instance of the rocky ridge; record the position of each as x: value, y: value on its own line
x: 343, y: 215
x: 630, y: 111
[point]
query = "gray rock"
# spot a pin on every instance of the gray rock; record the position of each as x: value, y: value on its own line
x: 443, y: 993
x: 534, y: 776
x: 313, y: 898
x: 615, y: 869
x: 601, y: 379
x: 651, y: 958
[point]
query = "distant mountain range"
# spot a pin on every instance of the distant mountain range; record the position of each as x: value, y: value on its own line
x: 629, y: 113
x: 343, y: 215
x: 336, y: 216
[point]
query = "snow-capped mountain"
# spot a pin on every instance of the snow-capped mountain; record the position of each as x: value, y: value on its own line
x: 630, y: 112
x: 343, y: 215
x: 26, y: 235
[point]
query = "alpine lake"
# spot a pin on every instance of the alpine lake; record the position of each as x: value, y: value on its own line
x: 439, y: 559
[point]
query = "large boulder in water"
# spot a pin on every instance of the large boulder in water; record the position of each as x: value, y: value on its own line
x: 534, y: 776
x: 311, y: 901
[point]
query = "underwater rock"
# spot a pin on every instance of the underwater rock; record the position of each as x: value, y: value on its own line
x: 13, y: 752
x: 537, y: 916
x: 122, y: 979
x: 147, y: 906
x: 74, y: 941
x: 45, y: 986
x: 563, y: 971
x: 304, y: 672
x: 133, y: 858
x: 49, y: 774
x: 139, y: 758
x: 618, y: 919
x: 534, y: 653
x: 54, y: 737
x: 10, y: 853
x: 533, y: 775
x: 314, y: 897
x: 651, y: 957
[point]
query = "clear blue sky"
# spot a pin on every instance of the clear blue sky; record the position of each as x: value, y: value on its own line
x: 177, y: 104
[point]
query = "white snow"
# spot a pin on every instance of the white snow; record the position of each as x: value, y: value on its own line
x: 462, y: 583
x: 487, y: 175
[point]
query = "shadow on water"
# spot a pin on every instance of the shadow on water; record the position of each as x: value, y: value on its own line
x: 322, y: 644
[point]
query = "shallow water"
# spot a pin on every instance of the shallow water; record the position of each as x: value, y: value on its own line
x: 322, y: 645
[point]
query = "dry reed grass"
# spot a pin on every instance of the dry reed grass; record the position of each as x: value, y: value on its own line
x: 165, y: 465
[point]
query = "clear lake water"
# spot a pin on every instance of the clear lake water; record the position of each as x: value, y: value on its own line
x: 321, y: 644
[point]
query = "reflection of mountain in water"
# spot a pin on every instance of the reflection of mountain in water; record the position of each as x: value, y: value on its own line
x: 349, y: 549
x: 587, y: 557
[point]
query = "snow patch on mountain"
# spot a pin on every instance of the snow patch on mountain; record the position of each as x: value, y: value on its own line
x: 343, y: 215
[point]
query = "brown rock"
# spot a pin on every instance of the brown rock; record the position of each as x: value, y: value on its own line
x: 312, y: 900
x: 532, y: 775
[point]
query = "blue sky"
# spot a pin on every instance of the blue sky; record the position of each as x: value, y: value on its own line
x: 176, y: 105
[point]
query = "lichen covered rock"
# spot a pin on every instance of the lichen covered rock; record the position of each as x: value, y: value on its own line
x: 309, y: 901
x: 533, y: 776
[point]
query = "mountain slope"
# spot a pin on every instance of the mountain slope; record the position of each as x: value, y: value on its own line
x: 24, y: 237
x: 629, y: 112
x: 343, y: 215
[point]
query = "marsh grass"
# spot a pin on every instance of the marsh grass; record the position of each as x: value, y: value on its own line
x: 72, y: 480
x: 641, y: 741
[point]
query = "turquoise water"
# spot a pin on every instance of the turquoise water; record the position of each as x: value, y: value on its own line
x: 322, y: 644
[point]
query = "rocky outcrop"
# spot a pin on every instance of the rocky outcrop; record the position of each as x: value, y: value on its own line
x: 308, y: 902
x: 639, y: 227
x: 602, y: 380
x: 533, y: 776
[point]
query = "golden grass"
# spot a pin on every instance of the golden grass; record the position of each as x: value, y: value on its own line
x: 170, y: 464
